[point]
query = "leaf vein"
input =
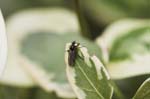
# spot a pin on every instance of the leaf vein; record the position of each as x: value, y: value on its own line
x: 88, y: 90
x: 96, y: 90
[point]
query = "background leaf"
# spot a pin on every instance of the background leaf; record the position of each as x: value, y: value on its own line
x: 144, y: 91
x: 88, y: 77
x: 106, y: 11
x: 16, y: 75
x: 13, y: 92
x: 3, y: 44
x: 125, y: 61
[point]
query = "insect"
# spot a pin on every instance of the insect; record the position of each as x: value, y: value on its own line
x: 72, y: 53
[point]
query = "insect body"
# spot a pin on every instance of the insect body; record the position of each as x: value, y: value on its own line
x: 72, y: 53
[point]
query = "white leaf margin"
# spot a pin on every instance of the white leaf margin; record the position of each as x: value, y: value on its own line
x: 71, y: 71
x: 3, y: 44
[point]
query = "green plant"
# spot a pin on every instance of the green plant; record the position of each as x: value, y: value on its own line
x: 113, y: 66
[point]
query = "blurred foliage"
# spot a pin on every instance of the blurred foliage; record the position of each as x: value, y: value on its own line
x: 43, y: 49
x: 137, y: 40
x: 41, y: 94
x: 127, y: 42
x: 12, y: 92
x: 130, y: 85
x: 109, y: 10
x: 10, y: 6
x: 97, y: 13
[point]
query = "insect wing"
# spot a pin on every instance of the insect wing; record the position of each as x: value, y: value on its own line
x: 71, y: 58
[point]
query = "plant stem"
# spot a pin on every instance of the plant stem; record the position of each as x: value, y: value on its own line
x: 82, y: 22
x: 117, y: 91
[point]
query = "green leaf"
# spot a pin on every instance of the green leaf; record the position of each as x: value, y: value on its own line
x: 128, y: 46
x: 144, y: 91
x: 88, y: 77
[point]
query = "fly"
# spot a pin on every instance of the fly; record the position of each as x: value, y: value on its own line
x: 72, y: 53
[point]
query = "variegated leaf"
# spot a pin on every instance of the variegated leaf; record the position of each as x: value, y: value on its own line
x: 144, y: 91
x: 88, y: 77
x: 126, y: 45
